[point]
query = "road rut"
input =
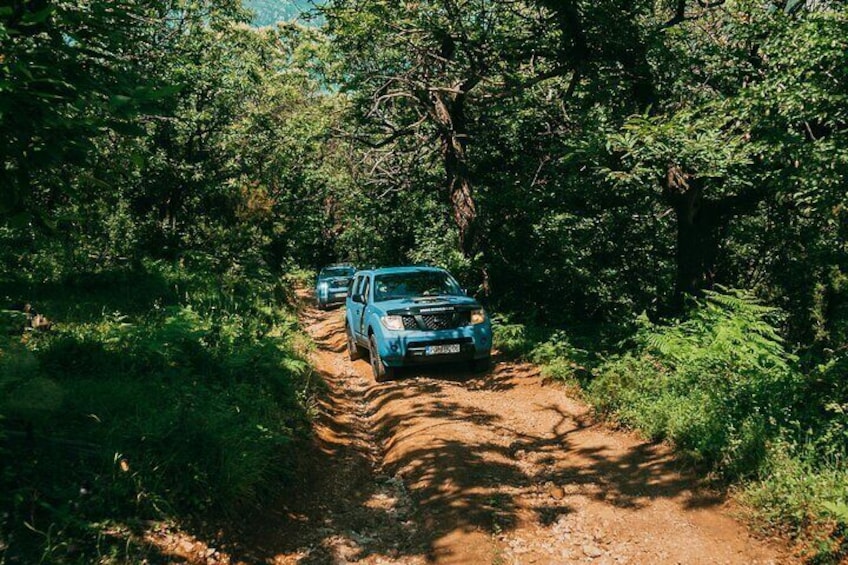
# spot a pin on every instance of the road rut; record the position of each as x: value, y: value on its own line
x: 451, y: 467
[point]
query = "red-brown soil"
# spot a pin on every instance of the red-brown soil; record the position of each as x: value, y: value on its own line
x: 451, y: 467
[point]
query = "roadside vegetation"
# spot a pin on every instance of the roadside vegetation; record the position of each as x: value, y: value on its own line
x: 151, y: 365
x: 156, y: 393
x: 723, y: 388
x: 650, y: 196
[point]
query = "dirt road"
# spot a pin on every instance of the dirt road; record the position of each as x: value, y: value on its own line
x: 451, y: 467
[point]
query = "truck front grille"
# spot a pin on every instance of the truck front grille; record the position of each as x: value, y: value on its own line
x: 435, y: 322
x: 438, y: 321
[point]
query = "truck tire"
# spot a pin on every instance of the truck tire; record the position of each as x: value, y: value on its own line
x: 378, y: 368
x: 353, y: 349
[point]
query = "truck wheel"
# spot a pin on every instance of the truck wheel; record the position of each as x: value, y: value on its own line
x: 381, y: 372
x: 353, y: 349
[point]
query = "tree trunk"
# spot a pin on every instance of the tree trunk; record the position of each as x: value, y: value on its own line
x: 460, y: 191
x: 450, y: 116
x: 697, y: 243
x: 691, y: 256
x: 700, y: 226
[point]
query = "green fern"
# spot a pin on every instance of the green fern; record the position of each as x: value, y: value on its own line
x: 731, y: 323
x: 838, y: 510
x: 715, y: 383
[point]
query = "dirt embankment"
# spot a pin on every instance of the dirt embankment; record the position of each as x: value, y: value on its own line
x: 450, y: 467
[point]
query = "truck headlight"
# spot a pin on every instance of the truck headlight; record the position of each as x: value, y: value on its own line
x: 478, y: 316
x: 392, y: 322
x: 322, y: 288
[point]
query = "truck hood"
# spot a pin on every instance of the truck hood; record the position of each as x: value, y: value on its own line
x: 428, y: 304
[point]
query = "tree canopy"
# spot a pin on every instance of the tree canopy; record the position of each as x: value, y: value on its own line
x: 607, y: 168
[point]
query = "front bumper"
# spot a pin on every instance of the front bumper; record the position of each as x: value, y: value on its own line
x: 331, y: 296
x: 409, y: 347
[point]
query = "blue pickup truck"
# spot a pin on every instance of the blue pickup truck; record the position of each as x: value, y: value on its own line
x: 406, y: 316
x: 332, y: 284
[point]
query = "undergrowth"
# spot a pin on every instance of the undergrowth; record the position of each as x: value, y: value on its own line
x: 724, y: 389
x: 158, y: 393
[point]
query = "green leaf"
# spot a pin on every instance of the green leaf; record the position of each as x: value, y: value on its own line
x: 838, y: 509
x: 39, y: 16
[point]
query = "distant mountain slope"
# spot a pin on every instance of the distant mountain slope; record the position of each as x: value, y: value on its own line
x: 269, y: 12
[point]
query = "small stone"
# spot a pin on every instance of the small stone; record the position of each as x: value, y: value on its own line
x: 556, y: 492
x: 591, y: 550
x: 186, y: 546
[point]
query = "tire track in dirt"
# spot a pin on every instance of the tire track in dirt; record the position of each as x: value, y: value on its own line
x: 451, y: 467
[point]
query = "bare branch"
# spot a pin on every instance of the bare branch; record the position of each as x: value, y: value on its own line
x: 522, y: 86
x: 390, y: 138
x: 679, y: 15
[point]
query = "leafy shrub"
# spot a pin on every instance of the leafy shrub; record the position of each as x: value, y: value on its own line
x: 510, y: 338
x: 826, y: 409
x: 718, y: 385
x: 560, y: 359
x: 722, y: 387
x: 225, y: 390
x: 183, y: 408
x: 803, y: 493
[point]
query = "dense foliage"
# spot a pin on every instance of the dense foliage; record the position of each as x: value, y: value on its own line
x: 160, y: 393
x: 600, y: 173
x: 157, y: 158
x: 589, y: 167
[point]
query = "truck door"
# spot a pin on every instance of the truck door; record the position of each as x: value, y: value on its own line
x: 354, y: 308
x: 364, y: 292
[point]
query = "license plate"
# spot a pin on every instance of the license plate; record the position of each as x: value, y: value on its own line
x: 442, y: 349
x: 340, y: 293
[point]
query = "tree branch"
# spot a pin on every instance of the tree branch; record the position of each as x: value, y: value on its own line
x: 391, y: 138
x: 678, y: 17
x: 521, y: 87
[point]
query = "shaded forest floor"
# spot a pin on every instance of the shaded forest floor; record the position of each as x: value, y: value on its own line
x: 451, y: 467
x: 442, y: 466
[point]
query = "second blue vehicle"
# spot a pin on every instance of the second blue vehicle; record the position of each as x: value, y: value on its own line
x: 406, y: 316
x: 332, y: 284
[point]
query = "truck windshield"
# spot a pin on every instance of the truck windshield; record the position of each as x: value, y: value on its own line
x: 414, y: 283
x: 337, y: 272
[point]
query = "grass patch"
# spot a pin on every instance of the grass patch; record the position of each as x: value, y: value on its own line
x: 801, y: 493
x: 190, y: 401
